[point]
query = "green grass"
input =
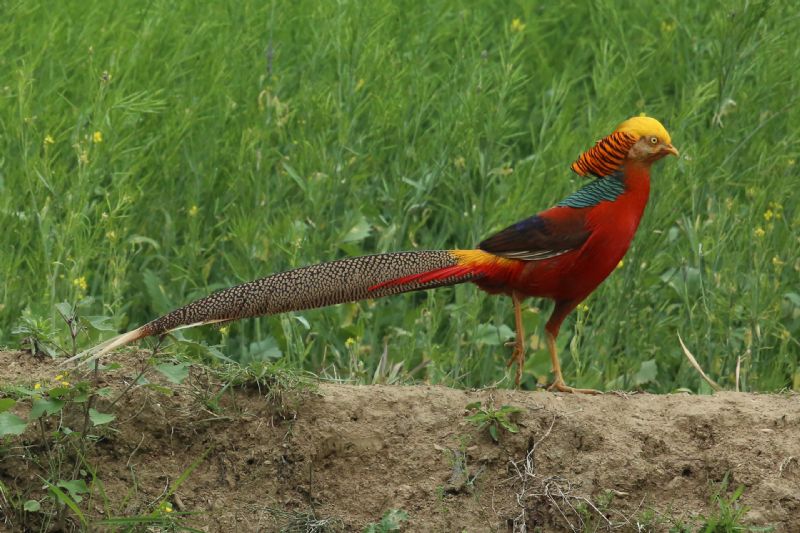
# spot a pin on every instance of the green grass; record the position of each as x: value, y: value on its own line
x: 246, y: 139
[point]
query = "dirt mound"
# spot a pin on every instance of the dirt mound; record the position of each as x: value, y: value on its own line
x: 340, y: 456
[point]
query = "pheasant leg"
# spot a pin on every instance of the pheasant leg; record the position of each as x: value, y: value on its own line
x: 558, y: 384
x: 518, y: 356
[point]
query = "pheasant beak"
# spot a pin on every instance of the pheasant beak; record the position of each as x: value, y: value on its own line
x: 669, y: 149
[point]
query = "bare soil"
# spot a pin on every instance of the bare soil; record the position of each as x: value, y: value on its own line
x: 343, y: 455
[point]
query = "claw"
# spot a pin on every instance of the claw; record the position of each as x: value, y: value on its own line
x: 560, y: 386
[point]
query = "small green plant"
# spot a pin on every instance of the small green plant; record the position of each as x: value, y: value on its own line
x: 36, y: 334
x: 68, y: 412
x: 462, y: 478
x: 728, y: 512
x: 727, y: 515
x: 163, y: 514
x: 39, y: 335
x: 391, y: 521
x: 52, y: 407
x: 493, y: 419
x: 282, y: 386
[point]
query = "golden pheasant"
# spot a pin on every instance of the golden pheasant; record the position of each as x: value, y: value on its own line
x: 562, y: 253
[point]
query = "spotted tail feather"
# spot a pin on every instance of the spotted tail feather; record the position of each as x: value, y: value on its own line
x: 335, y: 282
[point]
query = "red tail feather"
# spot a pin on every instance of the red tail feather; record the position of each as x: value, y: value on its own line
x: 472, y: 265
x: 452, y: 272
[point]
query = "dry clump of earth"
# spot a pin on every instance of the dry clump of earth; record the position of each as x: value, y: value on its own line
x: 337, y: 457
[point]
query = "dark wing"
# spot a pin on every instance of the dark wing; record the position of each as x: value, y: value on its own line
x: 539, y: 237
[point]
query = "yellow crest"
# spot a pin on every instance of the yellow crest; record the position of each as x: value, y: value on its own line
x: 644, y: 127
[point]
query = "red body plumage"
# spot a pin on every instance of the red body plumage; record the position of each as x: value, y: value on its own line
x: 570, y: 277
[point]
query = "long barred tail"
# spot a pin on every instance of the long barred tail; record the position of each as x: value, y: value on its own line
x: 344, y: 280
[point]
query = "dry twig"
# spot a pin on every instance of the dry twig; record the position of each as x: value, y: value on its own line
x: 696, y: 365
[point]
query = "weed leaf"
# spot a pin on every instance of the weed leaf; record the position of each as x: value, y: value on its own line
x: 647, y: 372
x: 11, y: 424
x: 99, y: 323
x: 174, y: 373
x: 61, y: 496
x: 76, y: 487
x: 31, y: 506
x: 45, y: 405
x: 99, y: 418
x: 6, y: 404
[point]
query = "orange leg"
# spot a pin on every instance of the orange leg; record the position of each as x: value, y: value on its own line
x: 558, y: 383
x: 518, y: 355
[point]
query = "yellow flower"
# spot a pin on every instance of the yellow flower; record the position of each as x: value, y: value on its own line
x: 48, y: 139
x: 193, y: 211
x: 59, y: 377
x: 37, y: 386
x: 80, y: 283
x: 777, y: 262
x: 506, y: 170
x: 668, y: 26
x: 517, y: 25
x: 621, y: 263
x: 460, y: 162
x: 64, y: 383
x: 97, y: 137
x: 768, y: 214
x: 225, y: 330
x: 759, y: 232
x: 350, y: 342
x: 583, y: 308
x: 111, y: 235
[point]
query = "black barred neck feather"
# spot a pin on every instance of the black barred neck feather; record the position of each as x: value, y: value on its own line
x: 606, y: 189
x: 606, y: 156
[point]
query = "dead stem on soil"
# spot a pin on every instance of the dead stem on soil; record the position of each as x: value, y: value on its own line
x: 130, y: 457
x: 556, y: 492
x: 304, y: 522
x: 785, y: 464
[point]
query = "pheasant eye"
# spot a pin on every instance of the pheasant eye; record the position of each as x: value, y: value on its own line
x: 653, y: 140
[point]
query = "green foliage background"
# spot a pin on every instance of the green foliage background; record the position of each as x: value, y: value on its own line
x: 151, y: 152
